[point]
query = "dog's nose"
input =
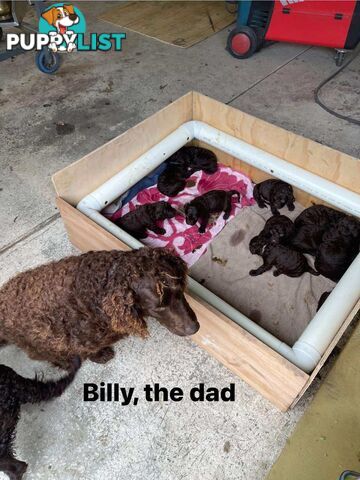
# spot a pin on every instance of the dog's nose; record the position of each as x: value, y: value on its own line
x: 73, y: 16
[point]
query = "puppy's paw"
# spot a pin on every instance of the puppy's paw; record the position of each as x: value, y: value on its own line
x: 276, y: 273
x: 291, y: 207
x: 201, y: 230
x: 161, y: 231
x: 253, y: 273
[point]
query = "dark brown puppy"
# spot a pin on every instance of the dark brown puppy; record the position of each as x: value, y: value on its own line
x: 275, y: 193
x: 202, y: 207
x: 146, y: 217
x: 181, y: 165
x: 277, y: 229
x: 82, y: 305
x: 286, y: 261
x: 173, y: 180
x: 318, y: 215
x: 14, y: 392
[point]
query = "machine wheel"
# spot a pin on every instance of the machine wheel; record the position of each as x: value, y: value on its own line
x: 47, y: 61
x: 242, y: 42
x: 339, y: 57
x: 1, y: 34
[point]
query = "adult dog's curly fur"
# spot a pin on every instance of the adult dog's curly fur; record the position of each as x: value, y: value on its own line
x: 14, y: 392
x: 81, y: 305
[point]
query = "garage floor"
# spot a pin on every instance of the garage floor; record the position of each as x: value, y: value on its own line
x: 103, y: 95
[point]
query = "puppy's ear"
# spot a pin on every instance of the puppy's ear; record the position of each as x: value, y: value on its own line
x: 119, y: 306
x: 50, y: 16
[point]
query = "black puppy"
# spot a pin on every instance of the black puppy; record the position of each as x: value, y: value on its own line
x: 286, y: 261
x: 145, y: 217
x: 202, y: 207
x: 181, y: 165
x: 318, y: 215
x: 14, y: 392
x: 201, y: 159
x: 277, y: 229
x: 275, y: 193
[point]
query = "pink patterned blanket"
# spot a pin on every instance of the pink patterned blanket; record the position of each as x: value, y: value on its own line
x: 183, y: 238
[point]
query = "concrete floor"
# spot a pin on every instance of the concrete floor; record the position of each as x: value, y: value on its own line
x: 103, y: 95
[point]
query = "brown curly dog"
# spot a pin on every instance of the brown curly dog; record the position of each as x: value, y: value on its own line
x: 81, y: 305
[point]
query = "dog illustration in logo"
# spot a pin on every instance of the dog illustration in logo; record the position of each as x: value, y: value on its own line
x: 62, y: 18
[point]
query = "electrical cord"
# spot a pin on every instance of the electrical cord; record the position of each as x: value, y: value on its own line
x: 324, y: 82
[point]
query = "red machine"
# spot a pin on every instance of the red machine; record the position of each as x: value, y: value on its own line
x: 314, y: 22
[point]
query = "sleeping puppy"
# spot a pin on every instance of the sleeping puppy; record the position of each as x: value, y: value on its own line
x: 286, y: 261
x: 275, y: 193
x: 276, y: 230
x: 181, y: 165
x: 318, y: 215
x: 211, y: 202
x: 201, y: 159
x: 145, y: 217
x: 173, y: 180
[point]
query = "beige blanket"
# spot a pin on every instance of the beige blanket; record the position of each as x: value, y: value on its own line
x: 282, y: 305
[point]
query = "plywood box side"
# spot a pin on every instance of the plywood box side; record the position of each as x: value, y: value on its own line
x: 82, y: 177
x: 324, y: 161
x: 85, y: 234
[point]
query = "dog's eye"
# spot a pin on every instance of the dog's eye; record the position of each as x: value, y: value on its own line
x: 59, y: 15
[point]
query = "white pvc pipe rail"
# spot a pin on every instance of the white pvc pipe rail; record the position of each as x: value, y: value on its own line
x: 318, y: 335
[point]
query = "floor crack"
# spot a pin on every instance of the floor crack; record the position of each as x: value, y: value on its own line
x: 31, y: 232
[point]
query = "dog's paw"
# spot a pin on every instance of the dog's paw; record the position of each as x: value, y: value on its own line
x: 103, y: 356
x: 291, y: 207
x: 252, y: 273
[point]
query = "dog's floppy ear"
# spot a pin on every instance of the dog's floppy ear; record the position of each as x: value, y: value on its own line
x: 119, y: 306
x: 50, y: 15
